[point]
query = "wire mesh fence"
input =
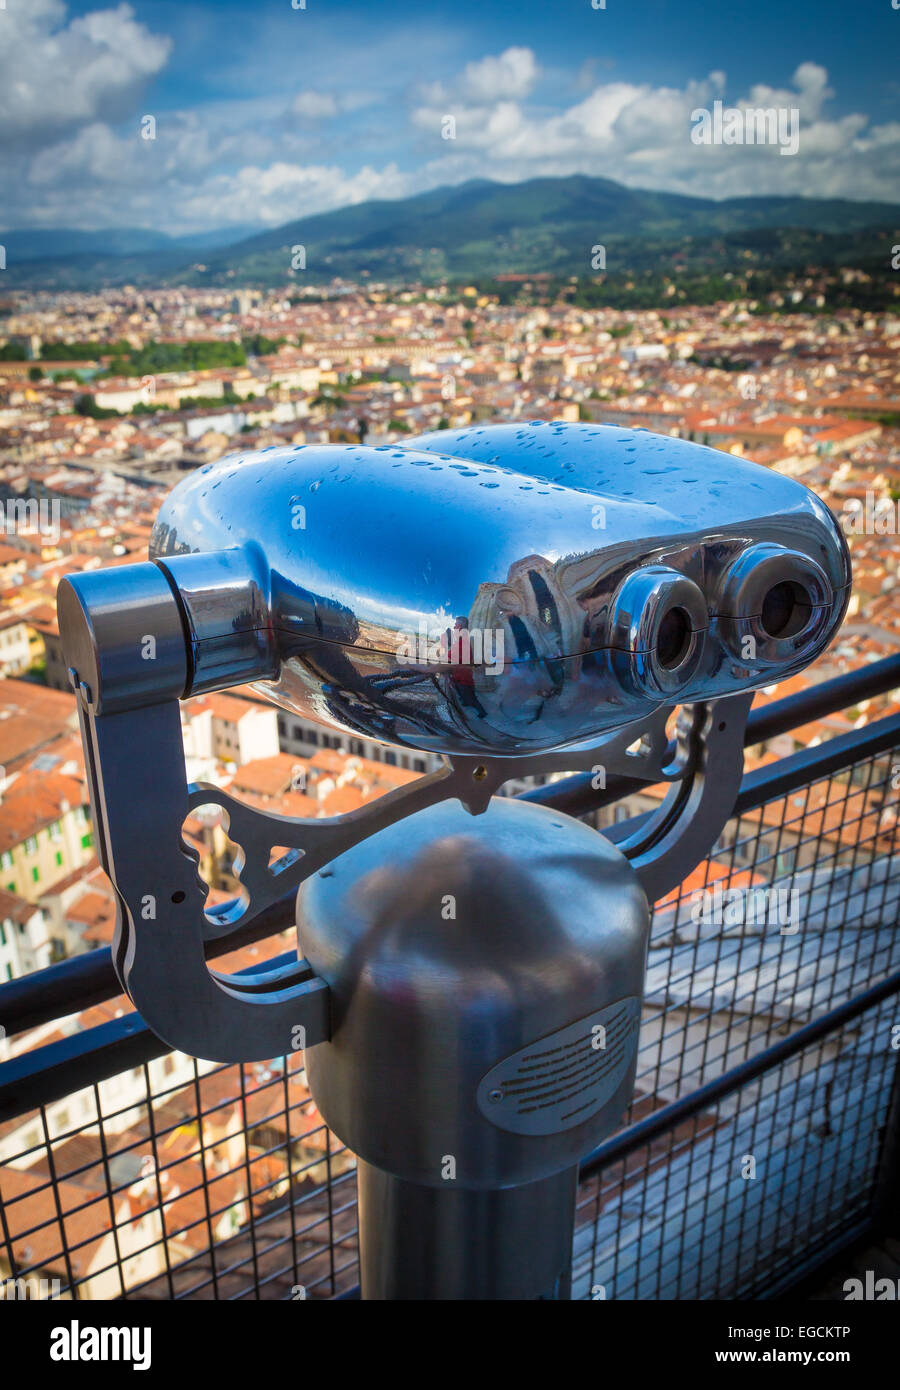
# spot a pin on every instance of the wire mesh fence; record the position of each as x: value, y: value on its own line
x: 726, y: 1204
x: 184, y: 1180
x: 181, y: 1180
x: 794, y: 913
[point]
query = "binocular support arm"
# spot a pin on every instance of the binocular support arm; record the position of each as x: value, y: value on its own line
x: 682, y: 833
x: 140, y: 799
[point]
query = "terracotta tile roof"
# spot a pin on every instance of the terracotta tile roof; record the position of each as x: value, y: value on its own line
x: 42, y: 617
x: 29, y: 1201
x: 296, y: 804
x: 229, y: 708
x: 30, y: 806
x: 388, y: 775
x: 328, y: 760
x: 343, y: 799
x: 705, y: 874
x: 9, y: 620
x: 110, y: 1009
x: 15, y: 909
x: 97, y: 913
x: 31, y: 716
x: 266, y: 776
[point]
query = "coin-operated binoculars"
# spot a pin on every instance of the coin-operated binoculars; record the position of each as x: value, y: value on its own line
x: 521, y: 600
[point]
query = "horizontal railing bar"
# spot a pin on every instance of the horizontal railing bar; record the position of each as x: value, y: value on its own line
x: 653, y: 1126
x: 789, y: 774
x: 577, y: 796
x: 812, y: 764
x: 84, y: 981
x: 46, y: 1074
x: 818, y: 701
x: 810, y: 1268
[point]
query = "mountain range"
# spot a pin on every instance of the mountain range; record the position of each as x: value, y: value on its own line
x: 470, y: 231
x: 61, y: 243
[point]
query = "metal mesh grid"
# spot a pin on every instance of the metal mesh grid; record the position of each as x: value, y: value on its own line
x: 181, y: 1180
x: 724, y: 1206
x: 717, y: 995
x: 677, y: 1219
x: 187, y: 1180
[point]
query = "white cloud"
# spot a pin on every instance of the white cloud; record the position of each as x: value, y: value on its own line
x: 114, y: 181
x: 325, y: 106
x: 73, y: 91
x: 810, y: 93
x: 283, y: 192
x: 56, y: 77
x: 640, y: 135
x: 315, y: 106
x: 509, y: 76
x: 184, y: 149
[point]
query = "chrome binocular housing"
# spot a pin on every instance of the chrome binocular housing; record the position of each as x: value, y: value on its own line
x: 499, y: 590
x: 520, y: 599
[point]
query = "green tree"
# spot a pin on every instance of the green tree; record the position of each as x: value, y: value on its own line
x: 155, y: 359
x: 261, y: 346
x: 86, y: 405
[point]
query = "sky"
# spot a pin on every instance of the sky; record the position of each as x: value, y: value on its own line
x: 262, y: 113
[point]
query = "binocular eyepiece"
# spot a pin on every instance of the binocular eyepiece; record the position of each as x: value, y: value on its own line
x: 770, y: 606
x: 497, y: 590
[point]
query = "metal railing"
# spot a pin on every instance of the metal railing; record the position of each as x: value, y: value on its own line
x: 761, y: 1140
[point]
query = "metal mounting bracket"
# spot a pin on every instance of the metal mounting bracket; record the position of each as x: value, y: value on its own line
x: 140, y: 799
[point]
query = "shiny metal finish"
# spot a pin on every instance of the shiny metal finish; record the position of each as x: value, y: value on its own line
x: 659, y: 626
x: 545, y: 925
x: 232, y: 582
x: 139, y: 802
x: 480, y: 591
x: 504, y: 1243
x: 521, y: 599
x: 124, y: 636
x: 774, y: 599
x: 140, y: 799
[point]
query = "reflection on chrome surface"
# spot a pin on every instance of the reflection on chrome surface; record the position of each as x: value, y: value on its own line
x: 500, y: 589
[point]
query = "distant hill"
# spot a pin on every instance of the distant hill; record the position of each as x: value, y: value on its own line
x: 48, y: 243
x: 66, y: 243
x: 225, y: 236
x: 477, y: 230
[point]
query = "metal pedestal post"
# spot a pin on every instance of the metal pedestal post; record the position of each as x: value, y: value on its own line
x: 420, y: 1242
x: 485, y: 976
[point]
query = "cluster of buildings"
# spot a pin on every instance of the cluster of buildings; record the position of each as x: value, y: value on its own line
x: 807, y: 394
